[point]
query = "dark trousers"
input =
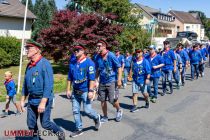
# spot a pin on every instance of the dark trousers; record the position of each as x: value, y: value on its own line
x: 194, y: 70
x: 32, y: 116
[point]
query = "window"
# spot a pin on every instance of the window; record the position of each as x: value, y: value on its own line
x: 177, y: 28
x: 187, y: 28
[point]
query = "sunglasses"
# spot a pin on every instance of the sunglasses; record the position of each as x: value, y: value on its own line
x: 77, y: 50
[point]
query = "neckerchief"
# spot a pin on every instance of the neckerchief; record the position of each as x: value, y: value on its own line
x: 32, y: 64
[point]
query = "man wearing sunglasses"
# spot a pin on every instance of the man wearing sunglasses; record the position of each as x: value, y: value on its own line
x: 141, y: 70
x: 156, y: 62
x: 110, y: 75
x: 81, y: 77
x: 169, y: 66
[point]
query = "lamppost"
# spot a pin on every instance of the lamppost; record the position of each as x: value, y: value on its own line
x: 22, y: 46
x: 153, y: 23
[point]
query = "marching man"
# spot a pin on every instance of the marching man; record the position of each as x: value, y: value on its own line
x: 81, y: 77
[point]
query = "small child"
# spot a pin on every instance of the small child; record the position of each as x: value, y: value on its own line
x: 11, y: 93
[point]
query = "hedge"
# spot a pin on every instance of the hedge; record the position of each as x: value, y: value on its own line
x: 12, y: 47
x: 4, y: 58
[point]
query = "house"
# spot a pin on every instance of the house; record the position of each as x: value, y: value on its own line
x: 185, y: 21
x: 12, y: 17
x: 164, y: 23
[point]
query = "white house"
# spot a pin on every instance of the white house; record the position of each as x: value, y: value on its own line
x: 12, y: 17
x: 185, y: 21
x: 164, y: 26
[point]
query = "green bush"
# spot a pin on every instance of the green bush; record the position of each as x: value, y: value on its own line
x: 4, y: 58
x: 12, y: 47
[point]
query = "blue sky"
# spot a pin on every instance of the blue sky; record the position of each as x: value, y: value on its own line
x: 165, y: 5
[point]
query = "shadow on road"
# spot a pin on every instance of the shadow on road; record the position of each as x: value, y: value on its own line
x: 66, y: 124
x: 63, y: 96
x: 139, y: 98
x: 69, y: 125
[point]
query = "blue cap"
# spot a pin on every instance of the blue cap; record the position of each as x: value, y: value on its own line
x: 152, y: 47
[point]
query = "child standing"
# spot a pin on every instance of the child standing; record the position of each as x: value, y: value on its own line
x: 11, y: 93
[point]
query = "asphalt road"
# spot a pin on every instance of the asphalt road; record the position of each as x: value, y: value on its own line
x: 184, y: 115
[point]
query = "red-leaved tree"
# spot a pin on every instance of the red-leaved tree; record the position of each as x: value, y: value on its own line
x: 69, y: 27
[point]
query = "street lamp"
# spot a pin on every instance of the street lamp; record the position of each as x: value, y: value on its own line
x: 22, y: 46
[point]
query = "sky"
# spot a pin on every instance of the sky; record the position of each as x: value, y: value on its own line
x: 165, y: 5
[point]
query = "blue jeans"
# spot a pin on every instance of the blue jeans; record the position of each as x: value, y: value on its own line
x: 32, y: 116
x: 167, y: 75
x: 139, y: 88
x: 183, y: 72
x: 76, y: 105
x: 126, y: 72
x: 155, y: 85
x: 194, y: 69
x: 176, y: 76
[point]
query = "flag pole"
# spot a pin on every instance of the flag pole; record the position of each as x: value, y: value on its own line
x: 22, y: 46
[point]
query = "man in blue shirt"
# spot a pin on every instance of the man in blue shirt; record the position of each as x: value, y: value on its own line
x: 109, y: 73
x: 208, y: 50
x: 127, y: 68
x: 169, y: 66
x: 82, y: 78
x: 185, y: 61
x: 195, y: 60
x: 176, y: 74
x: 156, y: 63
x: 121, y: 60
x: 141, y: 74
x: 38, y: 87
x: 204, y: 58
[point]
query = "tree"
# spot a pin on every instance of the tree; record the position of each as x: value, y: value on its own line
x: 42, y: 11
x: 68, y: 27
x: 30, y: 5
x: 52, y: 8
x: 37, y: 5
x: 133, y: 38
x: 121, y: 8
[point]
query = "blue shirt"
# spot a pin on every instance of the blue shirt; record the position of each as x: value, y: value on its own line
x: 188, y: 49
x: 204, y: 53
x: 107, y: 68
x: 146, y: 55
x: 10, y: 87
x: 121, y: 59
x: 128, y: 61
x: 209, y: 49
x: 168, y: 58
x: 178, y: 60
x: 38, y: 81
x: 195, y: 57
x: 94, y: 57
x: 184, y: 56
x: 156, y: 60
x: 72, y: 58
x: 81, y: 73
x: 140, y: 71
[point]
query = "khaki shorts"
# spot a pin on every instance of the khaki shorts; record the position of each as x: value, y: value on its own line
x: 108, y: 92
